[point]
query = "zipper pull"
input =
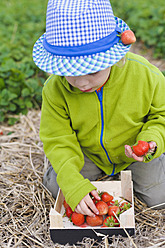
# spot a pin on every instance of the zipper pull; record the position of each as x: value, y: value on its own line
x: 100, y: 94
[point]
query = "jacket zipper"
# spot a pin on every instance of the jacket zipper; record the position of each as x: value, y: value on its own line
x: 100, y: 97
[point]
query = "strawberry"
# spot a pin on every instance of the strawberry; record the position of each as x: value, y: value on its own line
x: 113, y: 209
x: 128, y: 37
x: 110, y: 203
x: 110, y: 221
x: 102, y: 207
x: 125, y: 206
x: 141, y: 148
x: 94, y: 200
x: 106, y: 197
x: 68, y: 212
x: 77, y: 219
x: 113, y: 203
x: 94, y: 221
x: 65, y: 204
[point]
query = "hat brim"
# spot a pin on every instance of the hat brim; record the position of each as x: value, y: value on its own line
x: 78, y: 66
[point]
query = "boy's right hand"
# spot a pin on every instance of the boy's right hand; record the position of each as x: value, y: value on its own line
x: 86, y: 205
x: 130, y: 154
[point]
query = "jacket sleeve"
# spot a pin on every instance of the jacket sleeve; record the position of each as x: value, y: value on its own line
x: 154, y: 127
x: 63, y: 151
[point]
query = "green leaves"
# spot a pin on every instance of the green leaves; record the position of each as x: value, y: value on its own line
x: 21, y: 24
x: 146, y: 19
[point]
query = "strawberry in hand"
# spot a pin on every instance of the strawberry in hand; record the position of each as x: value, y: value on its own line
x: 141, y: 151
x: 141, y: 148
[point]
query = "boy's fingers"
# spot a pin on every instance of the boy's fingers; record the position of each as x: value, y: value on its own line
x: 87, y: 207
x: 152, y: 145
x: 95, y: 194
x: 139, y: 159
x: 83, y: 209
x: 92, y: 206
x: 129, y: 153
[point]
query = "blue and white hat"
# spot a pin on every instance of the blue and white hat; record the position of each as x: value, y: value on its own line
x: 82, y: 37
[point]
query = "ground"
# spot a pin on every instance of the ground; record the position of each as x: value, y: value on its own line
x: 25, y: 203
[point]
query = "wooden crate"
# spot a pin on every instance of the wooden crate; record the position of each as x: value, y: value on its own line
x: 63, y: 232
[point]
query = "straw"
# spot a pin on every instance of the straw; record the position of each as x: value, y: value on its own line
x: 25, y: 203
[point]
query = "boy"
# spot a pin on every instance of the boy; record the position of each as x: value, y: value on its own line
x: 94, y: 109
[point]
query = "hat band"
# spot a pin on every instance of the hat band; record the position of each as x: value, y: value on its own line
x: 95, y: 47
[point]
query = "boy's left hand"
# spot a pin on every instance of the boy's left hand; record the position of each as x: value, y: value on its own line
x: 130, y: 154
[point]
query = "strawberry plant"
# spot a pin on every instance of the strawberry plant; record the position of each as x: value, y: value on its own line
x: 146, y: 19
x: 21, y: 23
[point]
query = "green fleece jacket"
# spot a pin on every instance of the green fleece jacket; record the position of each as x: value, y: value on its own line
x: 129, y: 107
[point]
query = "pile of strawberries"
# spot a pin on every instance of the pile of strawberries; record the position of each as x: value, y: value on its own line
x: 108, y: 210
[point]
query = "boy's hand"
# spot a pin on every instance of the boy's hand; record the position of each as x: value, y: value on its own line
x: 86, y: 205
x: 130, y: 154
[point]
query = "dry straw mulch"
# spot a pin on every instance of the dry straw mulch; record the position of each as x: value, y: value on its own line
x: 25, y: 203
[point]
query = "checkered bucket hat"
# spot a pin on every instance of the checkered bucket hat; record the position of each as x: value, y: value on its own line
x: 81, y: 38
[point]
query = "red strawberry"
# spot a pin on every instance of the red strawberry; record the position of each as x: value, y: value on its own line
x: 68, y: 212
x: 128, y: 37
x: 106, y: 197
x: 94, y: 200
x: 65, y: 204
x: 77, y: 219
x: 110, y: 221
x: 102, y: 207
x: 113, y: 209
x: 94, y: 221
x: 141, y: 148
x: 125, y: 206
x: 110, y: 203
x: 113, y: 203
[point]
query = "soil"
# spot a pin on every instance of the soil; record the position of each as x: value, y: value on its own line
x: 25, y: 202
x: 142, y: 50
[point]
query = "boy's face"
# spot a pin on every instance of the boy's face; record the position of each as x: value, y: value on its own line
x: 89, y: 82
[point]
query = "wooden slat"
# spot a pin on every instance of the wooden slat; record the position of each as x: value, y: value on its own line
x: 59, y: 201
x: 126, y: 185
x: 55, y: 219
x: 127, y: 219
